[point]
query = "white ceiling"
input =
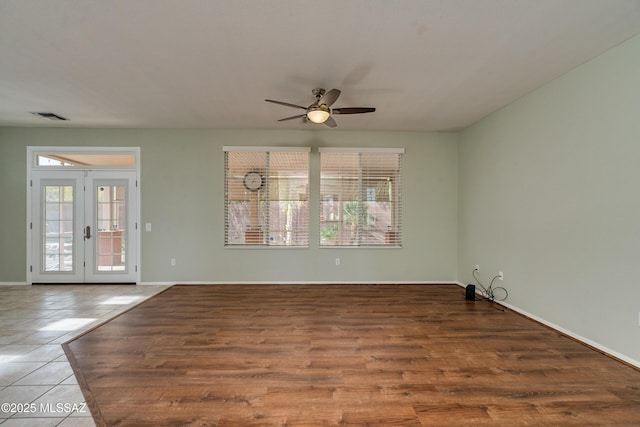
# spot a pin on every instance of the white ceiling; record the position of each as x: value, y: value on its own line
x: 424, y: 64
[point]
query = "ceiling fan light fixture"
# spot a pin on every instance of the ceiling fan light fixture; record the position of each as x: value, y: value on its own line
x: 318, y: 113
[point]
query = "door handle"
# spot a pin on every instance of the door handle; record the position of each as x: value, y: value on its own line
x: 87, y: 232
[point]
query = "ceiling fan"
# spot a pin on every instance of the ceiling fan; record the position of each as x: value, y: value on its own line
x: 320, y: 111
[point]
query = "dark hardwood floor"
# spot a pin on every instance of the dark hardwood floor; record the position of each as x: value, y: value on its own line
x: 343, y: 355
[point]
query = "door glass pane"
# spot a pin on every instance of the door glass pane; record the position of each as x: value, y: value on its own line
x: 111, y: 221
x: 57, y: 227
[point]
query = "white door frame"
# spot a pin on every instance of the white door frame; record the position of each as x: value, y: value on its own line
x: 32, y: 155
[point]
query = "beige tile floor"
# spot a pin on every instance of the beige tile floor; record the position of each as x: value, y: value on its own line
x: 37, y: 385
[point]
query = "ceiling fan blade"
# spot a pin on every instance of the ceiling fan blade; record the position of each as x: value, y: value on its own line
x: 330, y: 122
x: 329, y: 98
x: 353, y: 110
x: 286, y: 104
x: 292, y: 117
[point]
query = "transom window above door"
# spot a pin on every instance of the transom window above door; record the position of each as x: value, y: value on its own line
x: 84, y: 159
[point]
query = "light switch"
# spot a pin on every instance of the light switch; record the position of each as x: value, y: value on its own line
x: 147, y: 226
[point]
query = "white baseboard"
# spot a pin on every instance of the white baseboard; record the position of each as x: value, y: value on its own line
x: 156, y: 283
x: 324, y: 282
x: 570, y: 334
x: 279, y: 282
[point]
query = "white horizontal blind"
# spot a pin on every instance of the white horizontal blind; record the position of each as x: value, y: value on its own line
x: 360, y: 197
x: 276, y: 214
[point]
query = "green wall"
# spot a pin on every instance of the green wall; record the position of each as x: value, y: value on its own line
x: 549, y: 194
x: 182, y: 197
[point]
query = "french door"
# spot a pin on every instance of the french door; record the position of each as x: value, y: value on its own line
x: 83, y: 227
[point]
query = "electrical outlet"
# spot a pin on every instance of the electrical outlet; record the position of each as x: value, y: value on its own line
x: 337, y: 261
x: 500, y: 275
x: 476, y: 268
x: 173, y: 262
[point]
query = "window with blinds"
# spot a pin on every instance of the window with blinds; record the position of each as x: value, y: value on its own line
x: 266, y: 196
x: 360, y: 197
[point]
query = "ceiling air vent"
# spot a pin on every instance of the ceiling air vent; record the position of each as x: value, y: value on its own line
x: 50, y: 116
